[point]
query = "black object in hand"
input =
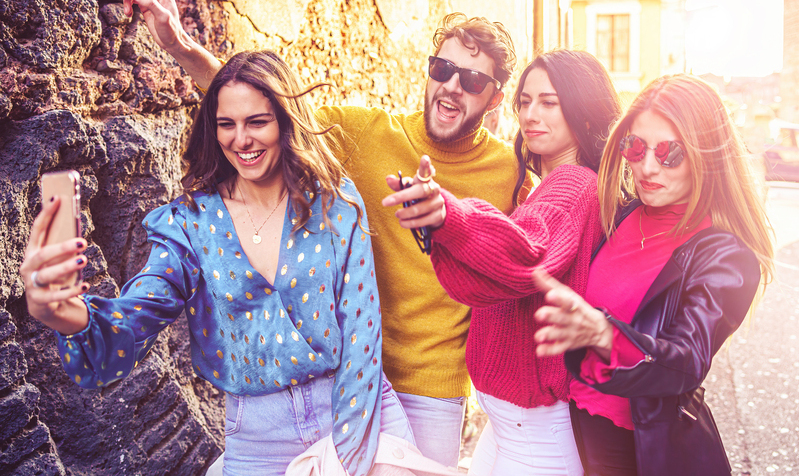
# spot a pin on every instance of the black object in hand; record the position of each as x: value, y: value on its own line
x: 422, y: 235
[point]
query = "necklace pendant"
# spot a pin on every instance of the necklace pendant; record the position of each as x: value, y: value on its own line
x: 256, y: 239
x: 642, y: 242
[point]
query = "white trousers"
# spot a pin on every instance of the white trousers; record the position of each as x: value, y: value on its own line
x: 525, y: 441
x: 436, y: 425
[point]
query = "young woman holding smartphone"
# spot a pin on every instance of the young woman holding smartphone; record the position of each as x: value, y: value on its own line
x: 267, y: 252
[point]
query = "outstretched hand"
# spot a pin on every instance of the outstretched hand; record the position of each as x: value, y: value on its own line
x: 163, y: 21
x: 572, y: 322
x: 429, y: 209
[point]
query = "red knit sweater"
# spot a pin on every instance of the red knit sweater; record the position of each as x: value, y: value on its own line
x: 485, y: 260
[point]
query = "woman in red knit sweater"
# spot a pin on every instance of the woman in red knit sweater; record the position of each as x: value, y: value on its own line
x: 674, y: 280
x: 566, y: 106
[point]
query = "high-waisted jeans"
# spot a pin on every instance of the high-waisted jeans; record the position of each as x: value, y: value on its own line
x: 264, y: 434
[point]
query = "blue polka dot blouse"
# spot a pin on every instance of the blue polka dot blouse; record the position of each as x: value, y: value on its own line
x: 249, y: 337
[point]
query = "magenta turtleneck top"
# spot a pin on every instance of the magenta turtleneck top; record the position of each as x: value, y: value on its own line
x: 618, y: 279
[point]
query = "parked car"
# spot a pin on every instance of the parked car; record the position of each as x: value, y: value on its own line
x: 782, y: 158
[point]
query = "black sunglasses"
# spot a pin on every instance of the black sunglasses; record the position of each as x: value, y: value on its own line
x: 668, y: 153
x: 422, y: 235
x: 472, y: 81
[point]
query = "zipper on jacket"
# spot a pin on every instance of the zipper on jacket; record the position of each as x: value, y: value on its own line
x: 686, y: 412
x: 647, y: 357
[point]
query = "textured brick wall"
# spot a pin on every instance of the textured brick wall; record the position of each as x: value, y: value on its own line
x: 83, y: 86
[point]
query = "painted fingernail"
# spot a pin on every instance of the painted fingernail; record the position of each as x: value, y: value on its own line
x: 80, y: 244
x: 52, y: 198
x: 79, y: 260
x: 84, y: 287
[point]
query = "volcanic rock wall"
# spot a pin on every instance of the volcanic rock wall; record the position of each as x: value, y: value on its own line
x: 83, y: 86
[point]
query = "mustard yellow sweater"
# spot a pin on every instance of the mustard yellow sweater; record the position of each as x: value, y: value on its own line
x: 424, y: 331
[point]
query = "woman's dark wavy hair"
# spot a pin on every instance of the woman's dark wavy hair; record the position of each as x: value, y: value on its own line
x: 588, y: 100
x: 306, y: 156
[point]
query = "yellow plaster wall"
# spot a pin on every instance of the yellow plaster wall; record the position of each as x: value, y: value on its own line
x: 650, y: 40
x: 578, y: 25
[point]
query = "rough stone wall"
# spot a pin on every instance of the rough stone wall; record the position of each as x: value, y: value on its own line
x: 83, y: 86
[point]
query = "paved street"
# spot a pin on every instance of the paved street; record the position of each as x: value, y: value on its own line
x: 753, y: 386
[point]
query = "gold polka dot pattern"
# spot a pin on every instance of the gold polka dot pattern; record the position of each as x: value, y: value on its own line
x: 323, y: 293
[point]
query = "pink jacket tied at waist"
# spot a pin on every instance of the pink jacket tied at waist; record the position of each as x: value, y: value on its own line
x: 394, y: 457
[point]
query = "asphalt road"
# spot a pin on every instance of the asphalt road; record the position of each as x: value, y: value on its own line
x: 753, y: 385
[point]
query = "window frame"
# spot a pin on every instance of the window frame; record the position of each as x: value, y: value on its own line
x: 625, y: 80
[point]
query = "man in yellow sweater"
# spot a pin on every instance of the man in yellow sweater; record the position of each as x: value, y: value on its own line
x: 424, y: 331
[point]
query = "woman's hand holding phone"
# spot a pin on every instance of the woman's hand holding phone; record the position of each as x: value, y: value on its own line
x: 55, y: 305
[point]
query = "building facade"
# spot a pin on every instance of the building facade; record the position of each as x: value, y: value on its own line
x: 636, y: 40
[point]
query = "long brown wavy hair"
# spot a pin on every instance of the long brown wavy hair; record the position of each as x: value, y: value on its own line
x: 723, y: 183
x: 306, y: 156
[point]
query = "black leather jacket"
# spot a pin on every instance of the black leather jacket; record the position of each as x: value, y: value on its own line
x: 697, y: 301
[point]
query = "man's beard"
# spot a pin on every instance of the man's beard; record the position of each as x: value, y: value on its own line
x: 469, y: 124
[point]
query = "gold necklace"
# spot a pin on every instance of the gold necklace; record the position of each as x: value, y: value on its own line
x: 256, y: 238
x: 640, y: 227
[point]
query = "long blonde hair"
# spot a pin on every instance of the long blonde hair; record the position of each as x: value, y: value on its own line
x: 723, y: 183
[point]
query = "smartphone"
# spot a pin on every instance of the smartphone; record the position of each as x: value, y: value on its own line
x: 66, y: 223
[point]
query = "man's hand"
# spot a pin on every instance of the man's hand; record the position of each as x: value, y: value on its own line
x: 163, y: 21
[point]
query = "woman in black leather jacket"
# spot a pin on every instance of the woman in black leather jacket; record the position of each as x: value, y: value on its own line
x: 675, y: 278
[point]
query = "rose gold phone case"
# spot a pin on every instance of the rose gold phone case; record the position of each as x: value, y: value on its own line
x: 66, y: 223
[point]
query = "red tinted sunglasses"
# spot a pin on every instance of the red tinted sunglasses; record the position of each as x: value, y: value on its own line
x: 668, y: 153
x: 472, y: 81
